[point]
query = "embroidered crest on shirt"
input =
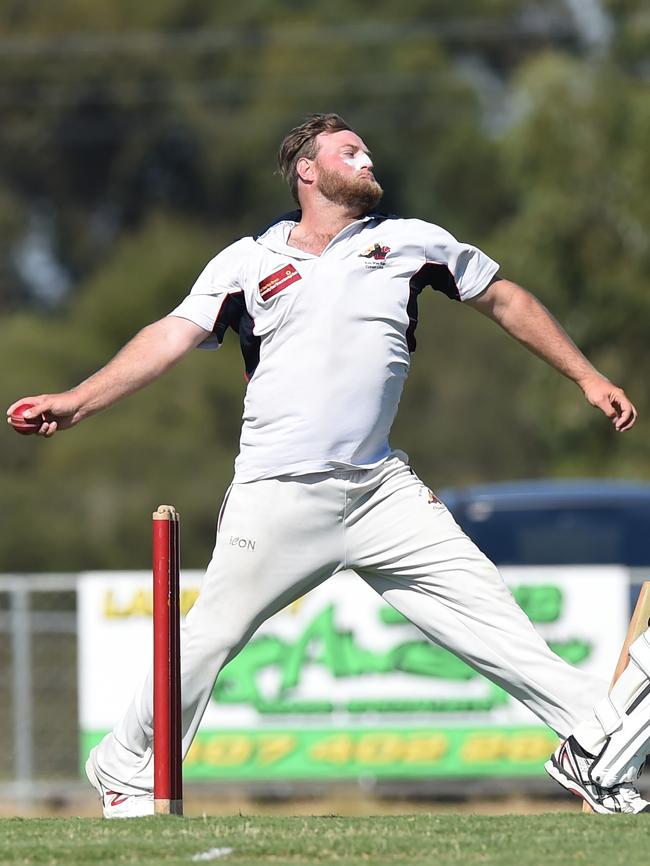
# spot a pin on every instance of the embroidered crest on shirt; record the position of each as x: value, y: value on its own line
x: 375, y: 256
x: 277, y: 281
x: 430, y: 496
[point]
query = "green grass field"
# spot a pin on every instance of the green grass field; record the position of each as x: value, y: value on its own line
x: 517, y: 840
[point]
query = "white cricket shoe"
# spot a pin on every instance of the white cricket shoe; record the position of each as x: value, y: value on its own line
x: 116, y: 804
x: 570, y: 765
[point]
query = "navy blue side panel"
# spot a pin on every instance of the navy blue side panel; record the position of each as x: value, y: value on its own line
x: 249, y: 344
x: 229, y: 315
x: 233, y: 314
x: 441, y: 279
x: 412, y: 311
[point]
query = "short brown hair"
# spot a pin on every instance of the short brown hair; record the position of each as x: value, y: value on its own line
x: 301, y: 141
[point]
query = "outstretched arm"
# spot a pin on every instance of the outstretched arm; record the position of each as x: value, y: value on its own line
x: 528, y: 321
x: 143, y: 359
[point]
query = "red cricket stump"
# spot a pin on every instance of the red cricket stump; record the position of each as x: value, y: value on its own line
x: 167, y: 717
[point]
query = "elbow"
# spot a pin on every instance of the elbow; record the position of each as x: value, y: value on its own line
x: 512, y: 304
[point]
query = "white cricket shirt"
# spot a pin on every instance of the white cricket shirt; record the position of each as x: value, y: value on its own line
x: 327, y: 339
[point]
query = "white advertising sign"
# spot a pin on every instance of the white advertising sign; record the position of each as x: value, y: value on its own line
x: 340, y: 659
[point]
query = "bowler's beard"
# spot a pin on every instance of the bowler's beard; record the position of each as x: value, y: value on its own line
x: 359, y: 192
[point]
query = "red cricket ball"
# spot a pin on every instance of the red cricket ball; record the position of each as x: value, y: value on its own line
x: 25, y: 426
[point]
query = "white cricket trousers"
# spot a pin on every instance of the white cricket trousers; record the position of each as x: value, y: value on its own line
x: 379, y: 523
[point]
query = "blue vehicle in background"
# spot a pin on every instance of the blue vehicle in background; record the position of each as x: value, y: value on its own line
x: 581, y: 522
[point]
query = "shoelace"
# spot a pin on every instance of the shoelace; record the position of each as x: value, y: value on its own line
x: 626, y: 796
x: 626, y: 791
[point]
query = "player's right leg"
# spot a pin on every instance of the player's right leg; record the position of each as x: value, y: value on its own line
x: 407, y: 547
x: 277, y: 538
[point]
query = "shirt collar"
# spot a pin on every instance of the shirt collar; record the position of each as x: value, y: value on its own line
x: 276, y: 234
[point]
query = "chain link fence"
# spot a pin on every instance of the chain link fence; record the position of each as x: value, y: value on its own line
x: 39, y: 728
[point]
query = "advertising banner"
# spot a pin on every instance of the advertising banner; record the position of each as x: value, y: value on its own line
x: 340, y: 685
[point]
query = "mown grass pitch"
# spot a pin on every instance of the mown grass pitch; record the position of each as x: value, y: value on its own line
x: 416, y: 840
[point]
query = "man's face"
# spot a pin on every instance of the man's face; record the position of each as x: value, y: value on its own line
x: 344, y: 171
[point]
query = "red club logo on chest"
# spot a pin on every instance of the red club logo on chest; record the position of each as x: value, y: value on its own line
x: 375, y: 256
x: 277, y: 281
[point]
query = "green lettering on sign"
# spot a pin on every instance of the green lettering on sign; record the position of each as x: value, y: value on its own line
x: 540, y: 603
x: 339, y: 652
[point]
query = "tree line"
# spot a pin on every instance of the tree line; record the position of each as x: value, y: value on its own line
x: 138, y: 142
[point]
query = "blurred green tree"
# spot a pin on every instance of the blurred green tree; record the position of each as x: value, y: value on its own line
x: 139, y: 140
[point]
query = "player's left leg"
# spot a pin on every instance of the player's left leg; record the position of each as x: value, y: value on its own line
x: 407, y: 546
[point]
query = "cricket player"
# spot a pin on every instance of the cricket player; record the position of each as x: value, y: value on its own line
x: 325, y: 303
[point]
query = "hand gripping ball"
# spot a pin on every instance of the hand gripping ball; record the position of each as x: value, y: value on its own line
x: 22, y: 425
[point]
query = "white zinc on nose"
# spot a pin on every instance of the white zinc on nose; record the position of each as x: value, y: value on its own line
x: 358, y: 161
